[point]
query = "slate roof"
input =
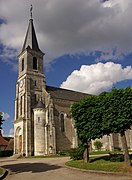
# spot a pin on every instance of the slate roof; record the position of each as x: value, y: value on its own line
x: 31, y: 39
x: 59, y: 93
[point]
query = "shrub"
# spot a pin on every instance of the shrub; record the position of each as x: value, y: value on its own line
x: 63, y: 153
x: 77, y: 153
x: 98, y: 145
x: 6, y: 153
x: 116, y: 157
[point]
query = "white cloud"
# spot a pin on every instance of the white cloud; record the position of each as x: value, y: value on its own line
x: 69, y: 26
x: 6, y: 116
x: 97, y: 78
x: 10, y: 134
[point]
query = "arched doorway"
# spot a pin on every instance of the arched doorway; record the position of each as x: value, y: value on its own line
x: 18, y: 140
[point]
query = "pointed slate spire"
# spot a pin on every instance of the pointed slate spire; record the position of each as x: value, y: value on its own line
x: 31, y: 39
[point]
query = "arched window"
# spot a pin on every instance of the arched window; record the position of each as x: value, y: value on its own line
x: 22, y: 64
x: 62, y: 122
x: 35, y: 64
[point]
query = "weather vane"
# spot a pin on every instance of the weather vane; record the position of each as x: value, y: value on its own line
x: 31, y: 9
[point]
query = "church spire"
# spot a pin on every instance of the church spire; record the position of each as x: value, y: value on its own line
x: 31, y: 39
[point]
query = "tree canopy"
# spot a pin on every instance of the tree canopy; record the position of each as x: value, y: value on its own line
x: 117, y: 115
x: 1, y: 120
x: 87, y: 119
x: 109, y: 112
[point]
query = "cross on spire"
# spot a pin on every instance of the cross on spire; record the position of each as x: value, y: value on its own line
x: 31, y: 10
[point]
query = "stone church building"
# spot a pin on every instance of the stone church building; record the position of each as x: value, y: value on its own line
x: 43, y: 124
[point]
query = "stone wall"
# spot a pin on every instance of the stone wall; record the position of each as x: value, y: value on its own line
x: 64, y: 140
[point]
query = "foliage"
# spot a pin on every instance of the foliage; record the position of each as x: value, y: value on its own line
x: 116, y: 157
x: 6, y: 153
x: 109, y: 112
x: 117, y: 116
x: 87, y: 119
x: 7, y: 138
x: 98, y: 145
x: 63, y: 153
x: 76, y: 153
x: 1, y: 120
x: 117, y: 107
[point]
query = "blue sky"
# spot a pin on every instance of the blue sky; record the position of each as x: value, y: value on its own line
x: 88, y: 46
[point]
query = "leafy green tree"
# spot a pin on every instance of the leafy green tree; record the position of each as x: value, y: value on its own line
x: 98, y: 145
x: 117, y: 114
x: 87, y: 121
x: 110, y: 112
x: 1, y: 120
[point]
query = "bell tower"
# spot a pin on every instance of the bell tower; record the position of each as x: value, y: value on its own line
x: 29, y: 87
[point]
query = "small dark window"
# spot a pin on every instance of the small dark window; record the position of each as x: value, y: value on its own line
x: 21, y: 106
x: 38, y: 119
x: 62, y: 122
x: 22, y: 64
x: 35, y: 83
x: 35, y: 98
x: 35, y: 63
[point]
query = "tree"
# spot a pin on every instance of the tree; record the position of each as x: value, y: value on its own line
x: 117, y: 115
x: 1, y: 120
x: 87, y: 121
x: 98, y: 145
x: 109, y: 112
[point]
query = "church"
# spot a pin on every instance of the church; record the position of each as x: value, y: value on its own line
x: 43, y: 124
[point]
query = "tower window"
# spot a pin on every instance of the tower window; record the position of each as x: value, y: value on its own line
x: 38, y: 119
x: 22, y: 64
x: 21, y: 106
x: 35, y: 98
x: 35, y: 63
x: 35, y: 83
x: 62, y: 122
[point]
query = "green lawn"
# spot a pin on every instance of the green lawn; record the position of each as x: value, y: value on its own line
x: 1, y: 170
x: 104, y: 152
x: 100, y: 164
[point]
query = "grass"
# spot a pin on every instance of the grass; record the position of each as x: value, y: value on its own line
x: 103, y: 152
x: 100, y: 164
x: 1, y: 171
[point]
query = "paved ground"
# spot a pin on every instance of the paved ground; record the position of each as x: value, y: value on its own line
x: 50, y: 169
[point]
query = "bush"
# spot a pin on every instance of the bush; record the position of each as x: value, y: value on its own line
x: 77, y: 153
x: 6, y: 153
x: 116, y: 157
x: 98, y: 145
x: 63, y: 153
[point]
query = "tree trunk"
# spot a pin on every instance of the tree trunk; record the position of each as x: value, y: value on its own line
x: 86, y: 153
x: 125, y: 149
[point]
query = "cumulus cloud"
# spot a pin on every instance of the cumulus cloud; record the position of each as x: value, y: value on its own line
x: 10, y: 134
x: 69, y: 27
x: 96, y: 78
x: 5, y: 116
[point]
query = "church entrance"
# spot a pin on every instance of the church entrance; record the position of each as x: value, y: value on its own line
x: 18, y: 141
x: 20, y: 144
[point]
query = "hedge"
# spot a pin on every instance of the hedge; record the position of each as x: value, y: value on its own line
x: 6, y: 153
